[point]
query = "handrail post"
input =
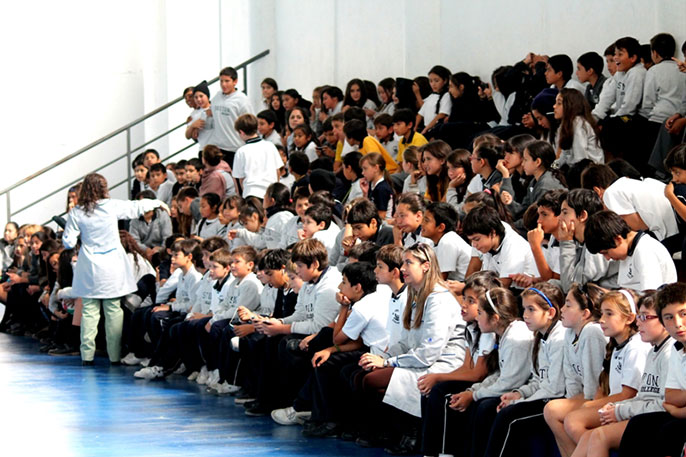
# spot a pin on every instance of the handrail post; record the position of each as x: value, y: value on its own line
x: 245, y: 80
x: 128, y: 163
x: 9, y: 211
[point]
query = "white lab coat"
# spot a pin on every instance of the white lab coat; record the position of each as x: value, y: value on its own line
x: 437, y: 346
x: 103, y: 269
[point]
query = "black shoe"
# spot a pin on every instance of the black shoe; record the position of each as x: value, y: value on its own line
x: 409, y: 444
x: 87, y: 363
x: 46, y: 348
x: 349, y: 434
x: 373, y: 439
x: 257, y: 409
x: 324, y: 430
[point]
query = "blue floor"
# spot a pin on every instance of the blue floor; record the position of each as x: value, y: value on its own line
x: 52, y: 406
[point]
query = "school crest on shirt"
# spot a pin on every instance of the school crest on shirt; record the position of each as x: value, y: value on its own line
x: 651, y: 383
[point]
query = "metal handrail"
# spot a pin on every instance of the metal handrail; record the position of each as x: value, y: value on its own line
x: 126, y: 128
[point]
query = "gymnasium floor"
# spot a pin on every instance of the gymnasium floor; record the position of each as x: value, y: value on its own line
x: 51, y: 406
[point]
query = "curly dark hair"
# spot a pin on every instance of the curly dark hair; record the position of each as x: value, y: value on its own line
x: 93, y: 188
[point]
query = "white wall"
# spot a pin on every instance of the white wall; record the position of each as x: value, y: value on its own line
x: 76, y: 70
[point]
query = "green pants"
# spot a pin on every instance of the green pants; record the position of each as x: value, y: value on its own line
x: 114, y: 318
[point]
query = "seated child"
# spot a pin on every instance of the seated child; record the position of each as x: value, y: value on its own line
x: 644, y: 263
x: 266, y: 125
x: 453, y: 252
x: 317, y: 224
x: 159, y: 184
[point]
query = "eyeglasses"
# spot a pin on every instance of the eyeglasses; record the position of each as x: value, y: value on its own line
x: 645, y: 317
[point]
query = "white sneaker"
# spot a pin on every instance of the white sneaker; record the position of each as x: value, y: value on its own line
x: 193, y: 376
x: 225, y: 388
x: 213, y: 379
x: 181, y: 369
x: 289, y: 416
x: 145, y: 362
x: 150, y: 373
x: 131, y: 359
x: 203, y: 376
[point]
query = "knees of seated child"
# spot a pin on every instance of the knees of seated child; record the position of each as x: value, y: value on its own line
x: 580, y: 421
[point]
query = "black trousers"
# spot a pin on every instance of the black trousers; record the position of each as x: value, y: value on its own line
x: 228, y: 360
x: 137, y: 328
x: 189, y: 350
x: 653, y: 435
x: 467, y: 432
x: 166, y: 352
x: 331, y: 393
x: 251, y: 348
x: 434, y: 413
x: 516, y: 421
x: 270, y: 378
x: 23, y: 308
x: 209, y: 343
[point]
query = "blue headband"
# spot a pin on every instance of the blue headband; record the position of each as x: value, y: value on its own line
x: 542, y: 295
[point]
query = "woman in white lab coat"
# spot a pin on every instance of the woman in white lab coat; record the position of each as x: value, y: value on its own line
x: 103, y: 273
x: 432, y: 339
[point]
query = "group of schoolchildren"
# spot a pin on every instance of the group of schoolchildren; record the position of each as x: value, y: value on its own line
x: 434, y: 265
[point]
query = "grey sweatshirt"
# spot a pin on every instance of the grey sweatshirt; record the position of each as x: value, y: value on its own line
x: 580, y: 266
x: 316, y: 306
x: 548, y: 381
x: 535, y: 191
x: 514, y: 363
x: 651, y: 395
x: 583, y: 360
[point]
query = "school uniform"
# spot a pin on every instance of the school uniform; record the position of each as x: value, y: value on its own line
x: 514, y: 361
x: 453, y: 254
x: 202, y: 295
x: 165, y: 192
x: 411, y: 238
x: 667, y: 433
x: 354, y: 192
x: 396, y: 308
x: 551, y: 253
x: 627, y: 363
x: 647, y: 198
x: 664, y: 91
x: 434, y: 405
x: 257, y: 163
x: 606, y: 100
x: 584, y: 356
x: 371, y: 144
x: 592, y: 92
x: 274, y: 138
x: 536, y: 189
x: 254, y: 239
x: 585, y: 145
x: 434, y: 105
x: 225, y: 110
x: 317, y: 306
x: 651, y: 395
x: 629, y: 90
x: 578, y: 265
x: 277, y: 220
x: 479, y: 184
x: 391, y: 146
x: 547, y: 382
x: 381, y: 194
x: 235, y: 225
x: 267, y: 300
x: 503, y: 105
x: 207, y: 228
x: 415, y: 139
x: 328, y: 237
x: 511, y: 257
x: 648, y: 265
x: 205, y: 133
x: 437, y: 346
x: 185, y: 291
x: 417, y: 188
x: 151, y: 234
x: 289, y: 232
x: 310, y: 150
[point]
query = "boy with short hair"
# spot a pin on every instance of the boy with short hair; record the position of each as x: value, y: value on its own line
x: 160, y: 184
x: 589, y: 69
x: 453, y: 252
x: 188, y: 201
x: 295, y: 224
x: 266, y: 125
x: 186, y: 254
x: 641, y: 203
x: 194, y: 172
x: 180, y: 173
x: 608, y: 93
x: 389, y: 259
x: 367, y: 225
x: 151, y: 157
x: 383, y: 127
x: 298, y: 166
x: 667, y: 429
x: 216, y: 174
x: 244, y: 290
x: 356, y: 134
x: 577, y: 264
x: 317, y: 224
x: 502, y: 249
x: 316, y: 308
x: 644, y: 263
x: 227, y: 106
x: 257, y: 163
x: 403, y: 126
x: 558, y: 73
